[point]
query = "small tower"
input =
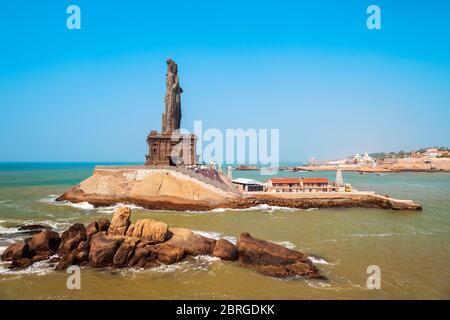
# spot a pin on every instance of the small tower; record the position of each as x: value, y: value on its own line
x: 339, y: 180
x: 230, y: 173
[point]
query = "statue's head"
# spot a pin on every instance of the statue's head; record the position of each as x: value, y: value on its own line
x: 172, y: 66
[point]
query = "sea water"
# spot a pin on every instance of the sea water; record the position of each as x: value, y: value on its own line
x: 411, y: 248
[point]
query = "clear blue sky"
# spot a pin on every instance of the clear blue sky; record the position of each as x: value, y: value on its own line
x: 310, y: 68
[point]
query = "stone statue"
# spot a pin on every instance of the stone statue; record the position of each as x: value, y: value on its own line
x: 171, y: 117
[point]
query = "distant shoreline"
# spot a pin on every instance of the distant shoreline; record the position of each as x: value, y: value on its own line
x: 364, y: 169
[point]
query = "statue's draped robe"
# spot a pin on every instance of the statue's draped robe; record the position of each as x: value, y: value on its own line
x: 172, y: 100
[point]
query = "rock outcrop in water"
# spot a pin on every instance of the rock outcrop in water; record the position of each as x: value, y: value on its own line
x: 156, y: 189
x: 273, y: 260
x: 169, y: 189
x: 148, y: 243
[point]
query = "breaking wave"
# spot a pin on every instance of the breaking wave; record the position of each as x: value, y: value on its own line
x: 317, y: 260
x: 260, y: 207
x: 51, y: 199
x: 286, y: 244
x: 111, y: 209
x: 38, y: 268
x: 215, y: 235
x: 6, y: 230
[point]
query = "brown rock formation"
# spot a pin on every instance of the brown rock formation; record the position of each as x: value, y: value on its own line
x: 168, y: 253
x: 44, y: 241
x: 103, y: 224
x: 151, y: 245
x: 120, y: 222
x: 40, y: 256
x: 102, y: 249
x: 225, y: 250
x: 66, y: 261
x: 149, y: 188
x: 143, y: 257
x: 192, y: 243
x: 272, y: 259
x: 71, y: 238
x: 125, y: 252
x: 21, y: 263
x: 325, y: 200
x: 151, y: 231
x: 92, y: 228
x: 16, y: 251
x: 130, y: 230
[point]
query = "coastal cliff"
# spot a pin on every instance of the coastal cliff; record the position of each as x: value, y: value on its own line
x: 178, y: 189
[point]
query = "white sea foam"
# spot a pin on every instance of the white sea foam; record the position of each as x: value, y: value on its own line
x: 81, y: 205
x: 365, y: 235
x: 38, y: 268
x: 14, y: 230
x: 318, y: 284
x: 317, y: 260
x: 285, y: 244
x: 215, y: 235
x: 6, y: 230
x: 111, y: 209
x: 51, y: 199
x: 263, y: 207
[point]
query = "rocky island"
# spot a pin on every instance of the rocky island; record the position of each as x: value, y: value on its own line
x: 176, y: 188
x: 147, y: 243
x: 171, y: 178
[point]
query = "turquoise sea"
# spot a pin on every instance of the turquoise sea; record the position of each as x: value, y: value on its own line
x: 411, y: 248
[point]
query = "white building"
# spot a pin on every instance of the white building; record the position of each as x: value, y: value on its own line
x: 248, y: 185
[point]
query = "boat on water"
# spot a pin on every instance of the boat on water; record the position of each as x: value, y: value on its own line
x: 246, y: 168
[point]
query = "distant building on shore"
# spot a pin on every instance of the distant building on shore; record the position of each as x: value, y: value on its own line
x: 248, y: 185
x: 435, y: 153
x: 300, y: 185
x: 364, y: 160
